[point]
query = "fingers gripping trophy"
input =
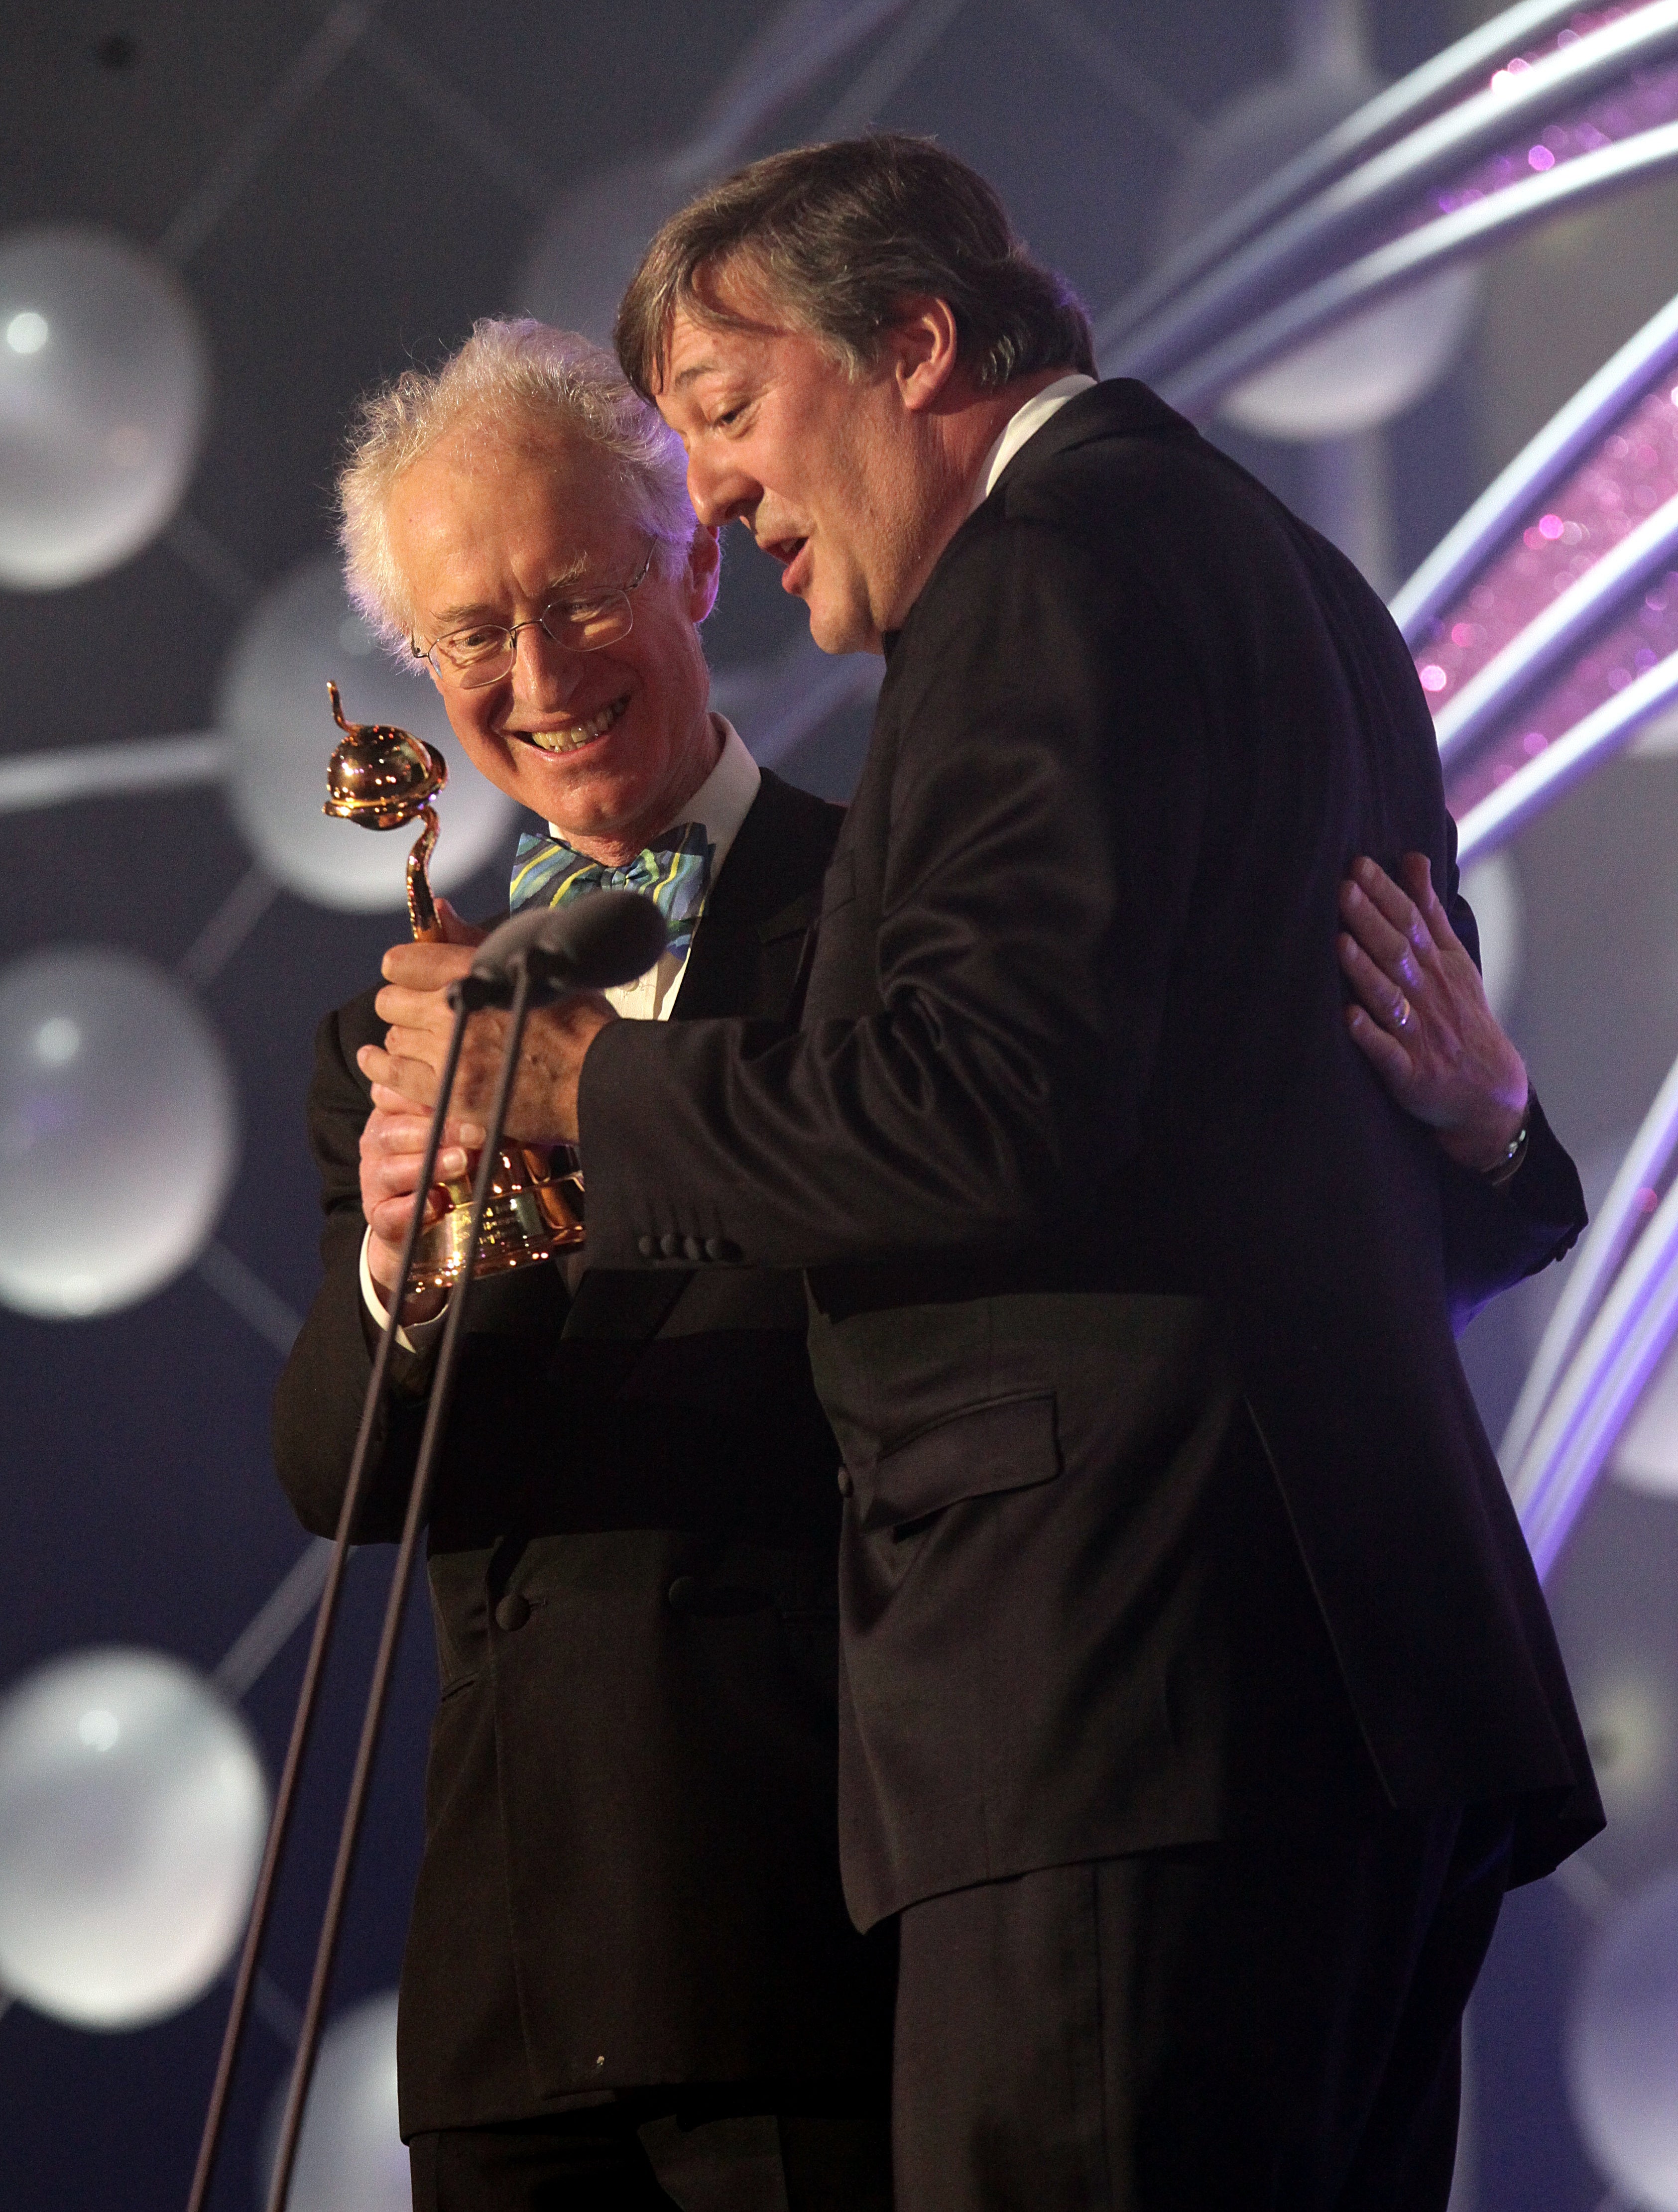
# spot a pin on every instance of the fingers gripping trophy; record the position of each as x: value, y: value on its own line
x: 384, y: 778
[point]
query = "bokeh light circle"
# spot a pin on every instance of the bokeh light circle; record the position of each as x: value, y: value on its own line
x: 132, y: 1812
x: 104, y: 383
x: 1365, y: 370
x: 272, y: 703
x: 1622, y: 2049
x: 589, y: 247
x: 350, y: 2156
x: 118, y: 1131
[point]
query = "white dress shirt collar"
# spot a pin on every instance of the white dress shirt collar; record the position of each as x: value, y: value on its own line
x: 1025, y: 423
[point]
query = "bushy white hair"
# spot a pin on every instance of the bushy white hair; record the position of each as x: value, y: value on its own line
x: 508, y: 379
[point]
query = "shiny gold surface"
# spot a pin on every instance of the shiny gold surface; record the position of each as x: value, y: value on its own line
x: 383, y: 778
x: 379, y: 776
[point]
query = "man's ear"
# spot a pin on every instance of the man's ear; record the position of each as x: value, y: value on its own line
x: 922, y: 343
x: 704, y: 570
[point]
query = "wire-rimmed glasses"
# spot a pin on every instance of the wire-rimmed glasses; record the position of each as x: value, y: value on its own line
x: 483, y: 652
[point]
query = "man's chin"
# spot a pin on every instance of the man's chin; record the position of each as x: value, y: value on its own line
x: 840, y: 629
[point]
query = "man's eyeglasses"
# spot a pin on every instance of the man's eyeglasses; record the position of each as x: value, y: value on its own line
x: 483, y: 652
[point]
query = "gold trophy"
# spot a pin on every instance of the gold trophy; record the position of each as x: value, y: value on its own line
x: 384, y: 778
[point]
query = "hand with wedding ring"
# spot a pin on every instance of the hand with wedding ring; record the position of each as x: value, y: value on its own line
x: 1421, y: 1015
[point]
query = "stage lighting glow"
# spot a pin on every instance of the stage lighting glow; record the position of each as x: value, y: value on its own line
x: 350, y: 2157
x: 1492, y: 889
x: 132, y: 1814
x: 273, y: 705
x: 1622, y: 2055
x: 1360, y: 374
x: 118, y: 1131
x: 1646, y: 1456
x: 104, y: 379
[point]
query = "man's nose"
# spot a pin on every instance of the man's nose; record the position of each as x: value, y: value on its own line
x: 544, y: 675
x: 721, y: 491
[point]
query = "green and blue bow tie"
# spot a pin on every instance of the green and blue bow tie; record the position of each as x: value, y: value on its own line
x: 675, y: 874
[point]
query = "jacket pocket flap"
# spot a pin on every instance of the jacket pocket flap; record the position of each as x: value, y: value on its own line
x: 1005, y: 1444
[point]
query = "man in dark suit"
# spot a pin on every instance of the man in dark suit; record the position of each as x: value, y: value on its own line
x: 628, y: 1956
x: 1199, y: 1698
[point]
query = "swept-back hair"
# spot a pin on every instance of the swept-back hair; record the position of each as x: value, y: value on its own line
x: 508, y: 381
x: 839, y: 237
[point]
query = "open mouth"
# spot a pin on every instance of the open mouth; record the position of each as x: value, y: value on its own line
x: 571, y: 736
x: 789, y: 552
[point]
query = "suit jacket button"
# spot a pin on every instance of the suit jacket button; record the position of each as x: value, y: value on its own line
x: 720, y: 1248
x: 693, y: 1249
x: 513, y: 1612
x: 683, y: 1594
x: 647, y: 1246
x: 670, y: 1246
x: 846, y: 1485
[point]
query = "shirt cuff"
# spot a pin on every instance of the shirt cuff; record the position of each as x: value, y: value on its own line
x: 417, y: 1336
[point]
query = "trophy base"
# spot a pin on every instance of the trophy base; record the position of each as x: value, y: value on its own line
x: 528, y: 1218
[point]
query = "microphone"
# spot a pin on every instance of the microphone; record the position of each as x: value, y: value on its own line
x: 592, y: 943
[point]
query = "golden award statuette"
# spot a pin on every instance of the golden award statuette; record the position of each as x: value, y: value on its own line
x: 384, y: 778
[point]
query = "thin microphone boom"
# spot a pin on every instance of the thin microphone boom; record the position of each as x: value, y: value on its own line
x: 609, y: 937
x: 436, y: 1413
x: 308, y: 1696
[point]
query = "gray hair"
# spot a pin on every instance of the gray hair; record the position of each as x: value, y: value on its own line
x: 840, y: 236
x: 508, y: 377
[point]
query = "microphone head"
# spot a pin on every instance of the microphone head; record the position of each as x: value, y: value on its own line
x: 587, y: 945
x: 491, y: 978
x: 593, y: 942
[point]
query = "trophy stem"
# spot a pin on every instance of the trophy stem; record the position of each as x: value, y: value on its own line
x: 382, y: 777
x: 422, y: 907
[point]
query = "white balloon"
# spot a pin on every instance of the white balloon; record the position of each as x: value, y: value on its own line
x: 273, y: 704
x: 118, y: 1131
x: 587, y: 250
x: 104, y: 380
x: 132, y: 1814
x: 1366, y: 370
x: 350, y: 2157
x: 1622, y: 2051
x: 1492, y: 889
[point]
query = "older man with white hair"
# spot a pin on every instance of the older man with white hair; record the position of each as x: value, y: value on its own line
x: 630, y: 1977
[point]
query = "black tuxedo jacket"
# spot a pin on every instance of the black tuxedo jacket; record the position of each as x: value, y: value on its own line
x: 631, y: 1874
x: 1113, y: 1237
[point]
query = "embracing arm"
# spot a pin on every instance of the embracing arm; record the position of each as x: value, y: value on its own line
x: 1420, y: 1016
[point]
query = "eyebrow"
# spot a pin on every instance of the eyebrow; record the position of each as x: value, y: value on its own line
x: 698, y: 369
x: 550, y: 591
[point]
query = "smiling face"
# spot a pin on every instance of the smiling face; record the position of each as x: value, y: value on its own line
x: 608, y: 745
x: 854, y: 483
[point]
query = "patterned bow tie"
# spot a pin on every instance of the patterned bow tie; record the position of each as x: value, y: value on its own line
x: 675, y: 874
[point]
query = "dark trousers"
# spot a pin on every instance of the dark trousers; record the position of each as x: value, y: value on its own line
x: 1273, y: 2026
x: 640, y: 2155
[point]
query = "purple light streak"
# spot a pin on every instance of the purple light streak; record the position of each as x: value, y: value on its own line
x: 1631, y: 471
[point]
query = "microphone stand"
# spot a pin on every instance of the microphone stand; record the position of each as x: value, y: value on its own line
x: 308, y: 1697
x: 463, y: 998
x: 614, y: 937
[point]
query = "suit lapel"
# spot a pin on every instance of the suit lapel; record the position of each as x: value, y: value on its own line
x: 745, y: 949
